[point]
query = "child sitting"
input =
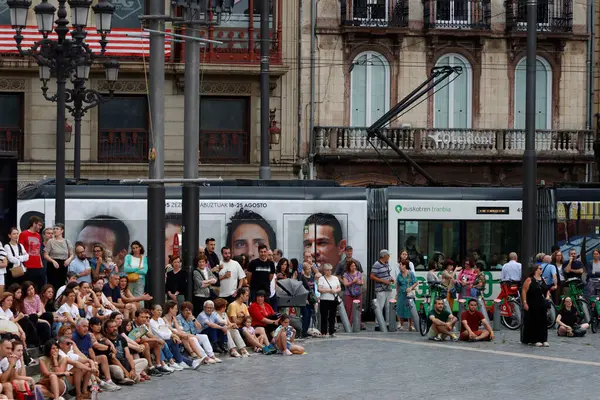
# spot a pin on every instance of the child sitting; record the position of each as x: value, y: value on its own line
x: 283, y: 338
x: 263, y: 339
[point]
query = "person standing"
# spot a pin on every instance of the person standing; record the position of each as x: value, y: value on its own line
x: 260, y: 272
x: 16, y: 254
x: 136, y: 267
x: 380, y: 274
x: 329, y: 286
x: 32, y: 242
x: 231, y: 274
x: 534, y: 329
x: 58, y: 251
x: 407, y: 283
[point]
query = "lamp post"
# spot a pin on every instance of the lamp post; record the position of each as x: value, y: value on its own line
x: 60, y: 58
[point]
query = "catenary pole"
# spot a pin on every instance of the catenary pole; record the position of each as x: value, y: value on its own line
x: 156, y: 191
x: 529, y: 156
x: 191, y: 139
x: 265, y: 168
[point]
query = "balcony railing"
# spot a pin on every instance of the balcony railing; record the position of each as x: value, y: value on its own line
x: 123, y: 146
x: 11, y: 139
x: 457, y: 14
x: 555, y: 16
x: 340, y: 141
x: 228, y: 147
x: 375, y: 13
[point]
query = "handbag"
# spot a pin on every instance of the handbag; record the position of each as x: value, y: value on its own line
x: 335, y: 296
x: 354, y: 290
x: 16, y: 271
x: 133, y: 277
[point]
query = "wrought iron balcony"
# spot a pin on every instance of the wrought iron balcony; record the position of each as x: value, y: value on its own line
x: 458, y: 143
x: 554, y: 16
x: 375, y: 13
x: 457, y: 14
x: 123, y: 146
x: 224, y: 147
x: 11, y: 139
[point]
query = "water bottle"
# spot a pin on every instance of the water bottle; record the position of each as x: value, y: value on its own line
x: 95, y: 389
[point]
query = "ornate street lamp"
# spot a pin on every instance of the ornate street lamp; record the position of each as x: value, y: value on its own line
x: 61, y: 58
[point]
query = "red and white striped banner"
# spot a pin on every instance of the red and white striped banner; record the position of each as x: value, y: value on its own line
x: 119, y: 44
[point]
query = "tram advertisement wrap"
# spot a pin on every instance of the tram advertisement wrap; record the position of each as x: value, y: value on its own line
x: 490, y: 292
x: 324, y: 227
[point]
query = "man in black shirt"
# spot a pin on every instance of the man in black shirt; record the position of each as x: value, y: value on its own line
x: 260, y: 272
x: 573, y: 267
x: 213, y: 258
x: 122, y: 365
x: 113, y: 293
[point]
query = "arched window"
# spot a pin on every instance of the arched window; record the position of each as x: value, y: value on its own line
x: 543, y: 94
x: 369, y: 89
x: 452, y: 101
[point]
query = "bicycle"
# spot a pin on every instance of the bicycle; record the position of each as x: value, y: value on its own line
x: 436, y: 291
x: 511, y: 311
x: 576, y: 291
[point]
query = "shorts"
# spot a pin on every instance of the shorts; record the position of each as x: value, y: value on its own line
x: 464, y: 335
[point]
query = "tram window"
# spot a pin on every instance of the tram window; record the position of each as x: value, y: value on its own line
x: 489, y: 242
x: 426, y: 239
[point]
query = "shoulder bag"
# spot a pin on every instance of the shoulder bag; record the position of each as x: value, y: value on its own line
x: 335, y: 296
x: 16, y: 271
x: 133, y: 277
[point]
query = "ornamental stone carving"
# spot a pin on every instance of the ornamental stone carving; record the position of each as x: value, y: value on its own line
x: 12, y: 85
x: 124, y: 86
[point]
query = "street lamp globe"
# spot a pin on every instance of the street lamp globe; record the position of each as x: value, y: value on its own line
x: 45, y: 72
x: 44, y: 13
x: 112, y: 71
x: 80, y: 10
x: 18, y: 12
x: 103, y: 12
x: 82, y: 71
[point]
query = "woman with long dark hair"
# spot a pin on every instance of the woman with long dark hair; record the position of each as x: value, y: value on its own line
x: 136, y: 268
x: 534, y: 330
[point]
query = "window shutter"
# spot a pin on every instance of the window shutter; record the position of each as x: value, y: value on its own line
x: 441, y: 101
x: 359, y: 92
x: 520, y: 79
x: 378, y: 89
x: 541, y: 96
x: 461, y: 98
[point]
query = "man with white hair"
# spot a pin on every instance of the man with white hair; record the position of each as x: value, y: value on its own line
x: 511, y: 271
x: 381, y: 275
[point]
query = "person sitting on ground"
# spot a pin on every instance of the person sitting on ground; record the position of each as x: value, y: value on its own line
x: 9, y: 364
x: 283, y: 338
x: 260, y: 338
x: 31, y: 305
x: 82, y: 340
x: 81, y: 371
x: 237, y: 312
x: 441, y: 323
x: 112, y: 291
x: 471, y: 320
x: 71, y: 308
x: 137, y: 350
x: 53, y: 369
x: 6, y: 303
x: 263, y: 315
x: 142, y: 334
x: 124, y: 368
x: 192, y: 326
x: 213, y: 328
x: 13, y: 367
x: 171, y: 352
x: 128, y: 297
x: 189, y: 341
x: 568, y: 320
x: 104, y: 307
x: 235, y: 343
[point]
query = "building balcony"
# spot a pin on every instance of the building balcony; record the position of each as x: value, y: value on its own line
x: 456, y: 144
x: 457, y: 14
x: 374, y: 13
x: 11, y: 139
x: 553, y: 16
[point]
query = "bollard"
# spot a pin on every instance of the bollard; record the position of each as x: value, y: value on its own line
x: 497, y: 325
x: 461, y: 307
x: 393, y: 321
x: 356, y: 311
x: 379, y: 316
x: 413, y: 312
x: 344, y: 317
x: 483, y: 308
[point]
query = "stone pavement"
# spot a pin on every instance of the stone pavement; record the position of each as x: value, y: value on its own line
x: 373, y: 365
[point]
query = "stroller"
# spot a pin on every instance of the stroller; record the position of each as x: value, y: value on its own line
x: 291, y: 296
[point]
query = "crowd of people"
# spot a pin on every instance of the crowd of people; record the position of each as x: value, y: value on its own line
x: 96, y: 325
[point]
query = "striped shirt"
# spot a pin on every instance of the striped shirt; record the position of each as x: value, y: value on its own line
x: 382, y: 271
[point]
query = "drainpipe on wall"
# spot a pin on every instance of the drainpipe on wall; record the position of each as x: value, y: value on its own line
x: 313, y: 39
x: 590, y: 77
x: 299, y: 82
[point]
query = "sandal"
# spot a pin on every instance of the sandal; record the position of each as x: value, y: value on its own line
x: 257, y: 350
x: 235, y: 354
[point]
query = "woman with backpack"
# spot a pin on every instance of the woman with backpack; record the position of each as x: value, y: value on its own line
x: 353, y: 283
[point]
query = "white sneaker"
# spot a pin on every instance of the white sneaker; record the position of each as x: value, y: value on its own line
x: 109, y: 386
x: 196, y: 363
x: 177, y: 367
x: 210, y: 361
x: 169, y: 368
x: 183, y: 365
x: 218, y: 360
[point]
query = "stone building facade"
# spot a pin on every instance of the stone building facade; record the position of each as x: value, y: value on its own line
x: 372, y: 53
x: 115, y: 134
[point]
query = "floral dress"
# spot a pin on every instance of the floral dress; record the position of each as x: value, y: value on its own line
x: 403, y: 306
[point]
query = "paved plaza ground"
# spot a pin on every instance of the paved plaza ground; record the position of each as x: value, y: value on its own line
x: 373, y: 365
